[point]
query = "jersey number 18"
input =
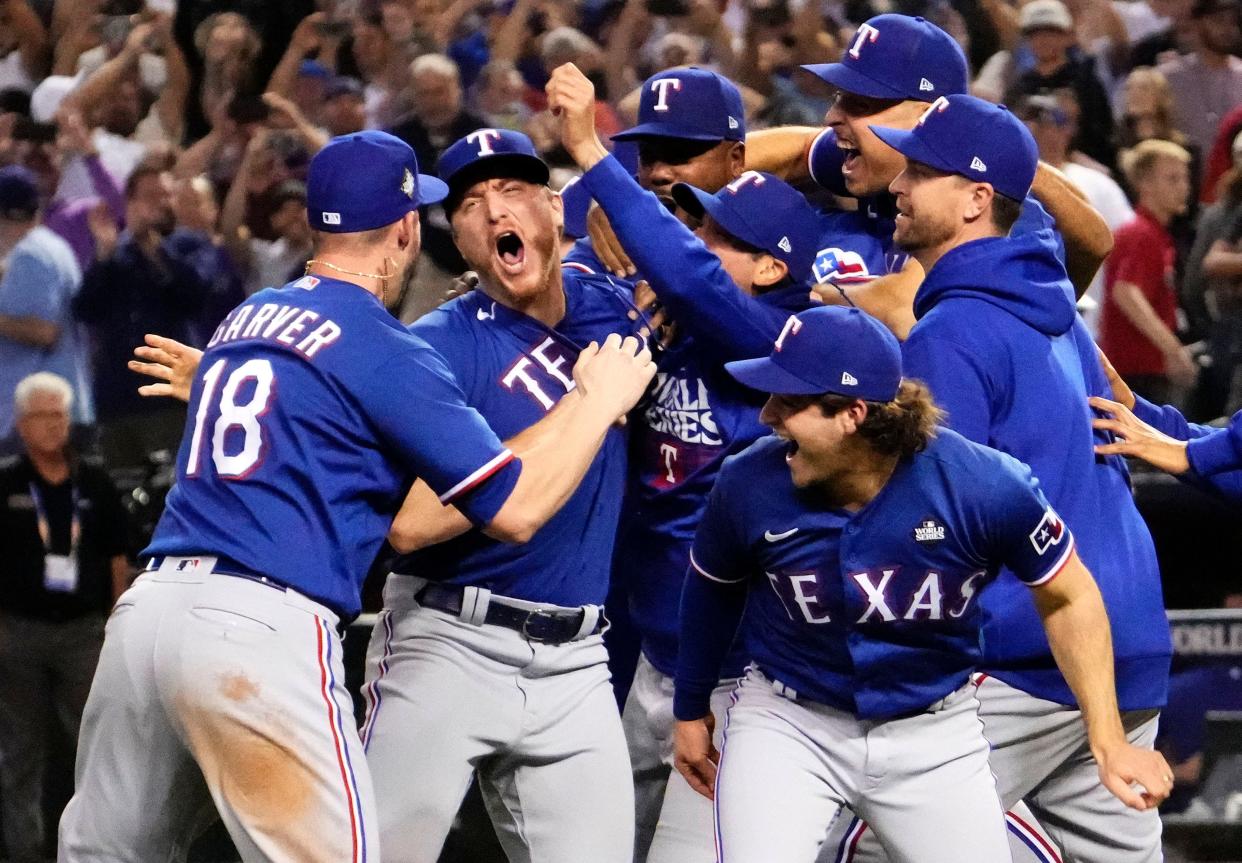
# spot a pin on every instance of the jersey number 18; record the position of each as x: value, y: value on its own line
x: 243, y: 416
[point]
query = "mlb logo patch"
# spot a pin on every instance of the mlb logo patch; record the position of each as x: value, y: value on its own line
x: 331, y: 218
x: 1049, y: 532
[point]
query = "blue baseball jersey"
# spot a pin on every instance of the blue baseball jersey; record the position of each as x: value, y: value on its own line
x: 874, y: 612
x: 514, y: 370
x: 876, y: 214
x: 696, y: 414
x: 312, y: 412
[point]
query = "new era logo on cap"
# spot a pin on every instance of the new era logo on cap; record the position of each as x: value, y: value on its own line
x: 733, y: 122
x: 848, y: 380
x: 976, y: 164
x: 926, y: 86
x: 784, y: 245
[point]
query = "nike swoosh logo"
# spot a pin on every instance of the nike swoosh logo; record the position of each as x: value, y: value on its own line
x: 777, y: 537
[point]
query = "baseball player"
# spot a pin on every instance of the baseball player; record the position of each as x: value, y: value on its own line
x: 1002, y: 349
x: 730, y: 290
x: 854, y: 548
x: 1205, y: 456
x: 893, y: 69
x: 692, y: 129
x: 221, y: 678
x: 488, y: 659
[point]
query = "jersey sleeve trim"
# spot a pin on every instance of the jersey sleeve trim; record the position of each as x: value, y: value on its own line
x: 574, y: 265
x: 703, y: 572
x: 477, y: 478
x: 810, y: 154
x: 1056, y: 568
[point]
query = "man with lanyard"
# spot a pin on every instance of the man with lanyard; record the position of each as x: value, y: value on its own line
x: 895, y: 67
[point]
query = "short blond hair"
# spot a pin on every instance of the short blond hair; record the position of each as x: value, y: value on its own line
x: 1137, y: 162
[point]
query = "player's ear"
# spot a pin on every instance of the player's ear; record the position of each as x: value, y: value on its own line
x: 769, y: 270
x: 737, y: 158
x: 407, y: 229
x: 558, y: 209
x: 980, y: 203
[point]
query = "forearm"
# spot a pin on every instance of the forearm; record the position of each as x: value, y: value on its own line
x: 197, y: 158
x: 1138, y: 311
x: 556, y: 454
x: 1222, y: 262
x: 106, y: 187
x: 95, y: 90
x: 512, y: 33
x: 1078, y: 632
x: 1088, y: 239
x: 781, y: 151
x: 889, y: 298
x: 709, y: 618
x: 34, y: 332
x: 31, y: 38
x: 1005, y: 20
x: 171, y: 105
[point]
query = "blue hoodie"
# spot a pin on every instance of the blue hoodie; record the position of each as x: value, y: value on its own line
x: 1003, y: 351
x: 1215, y: 454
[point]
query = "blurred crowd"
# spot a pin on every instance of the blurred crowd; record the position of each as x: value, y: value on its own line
x: 153, y: 158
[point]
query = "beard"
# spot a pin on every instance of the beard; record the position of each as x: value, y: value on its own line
x: 923, y: 232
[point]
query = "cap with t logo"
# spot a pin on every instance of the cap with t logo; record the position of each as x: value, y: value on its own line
x: 898, y: 57
x: 486, y: 154
x: 828, y: 349
x: 763, y: 211
x: 972, y: 138
x: 690, y: 103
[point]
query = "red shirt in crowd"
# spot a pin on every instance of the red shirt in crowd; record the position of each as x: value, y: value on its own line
x: 1143, y: 255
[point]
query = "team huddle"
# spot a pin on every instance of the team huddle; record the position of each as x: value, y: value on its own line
x: 840, y: 463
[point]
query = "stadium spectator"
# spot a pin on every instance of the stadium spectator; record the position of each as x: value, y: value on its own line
x: 41, y: 277
x: 343, y: 106
x: 64, y: 544
x: 1174, y: 37
x: 1053, y: 120
x: 228, y: 48
x: 23, y: 46
x: 1048, y: 31
x: 265, y: 263
x: 1214, y: 280
x: 197, y: 239
x: 1138, y: 324
x: 498, y: 96
x: 1220, y: 158
x: 1208, y: 82
x: 138, y: 284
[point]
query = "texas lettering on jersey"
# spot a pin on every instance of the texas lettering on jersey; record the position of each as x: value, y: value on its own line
x: 929, y: 595
x: 553, y: 360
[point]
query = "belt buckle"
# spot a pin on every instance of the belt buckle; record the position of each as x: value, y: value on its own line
x: 548, y: 615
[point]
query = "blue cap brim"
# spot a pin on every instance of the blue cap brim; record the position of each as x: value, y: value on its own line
x: 696, y: 202
x: 909, y: 145
x: 851, y: 81
x: 431, y: 190
x: 664, y: 130
x: 767, y: 377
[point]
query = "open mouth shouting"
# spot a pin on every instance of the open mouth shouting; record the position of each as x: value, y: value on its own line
x: 510, y: 253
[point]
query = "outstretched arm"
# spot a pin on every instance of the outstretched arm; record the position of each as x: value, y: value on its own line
x: 1087, y: 237
x: 1074, y: 618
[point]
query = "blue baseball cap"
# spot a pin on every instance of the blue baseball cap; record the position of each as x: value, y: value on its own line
x: 828, y: 349
x: 19, y: 193
x: 763, y: 211
x: 898, y: 57
x: 690, y: 103
x: 364, y: 181
x: 973, y: 138
x: 485, y: 154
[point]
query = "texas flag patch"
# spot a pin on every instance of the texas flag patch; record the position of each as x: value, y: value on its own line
x: 1049, y: 532
x: 839, y: 265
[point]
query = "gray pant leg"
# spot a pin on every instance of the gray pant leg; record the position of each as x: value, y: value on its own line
x: 646, y: 735
x: 138, y: 796
x: 1040, y: 755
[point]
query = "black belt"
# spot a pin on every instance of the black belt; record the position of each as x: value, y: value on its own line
x: 543, y: 625
x: 233, y: 571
